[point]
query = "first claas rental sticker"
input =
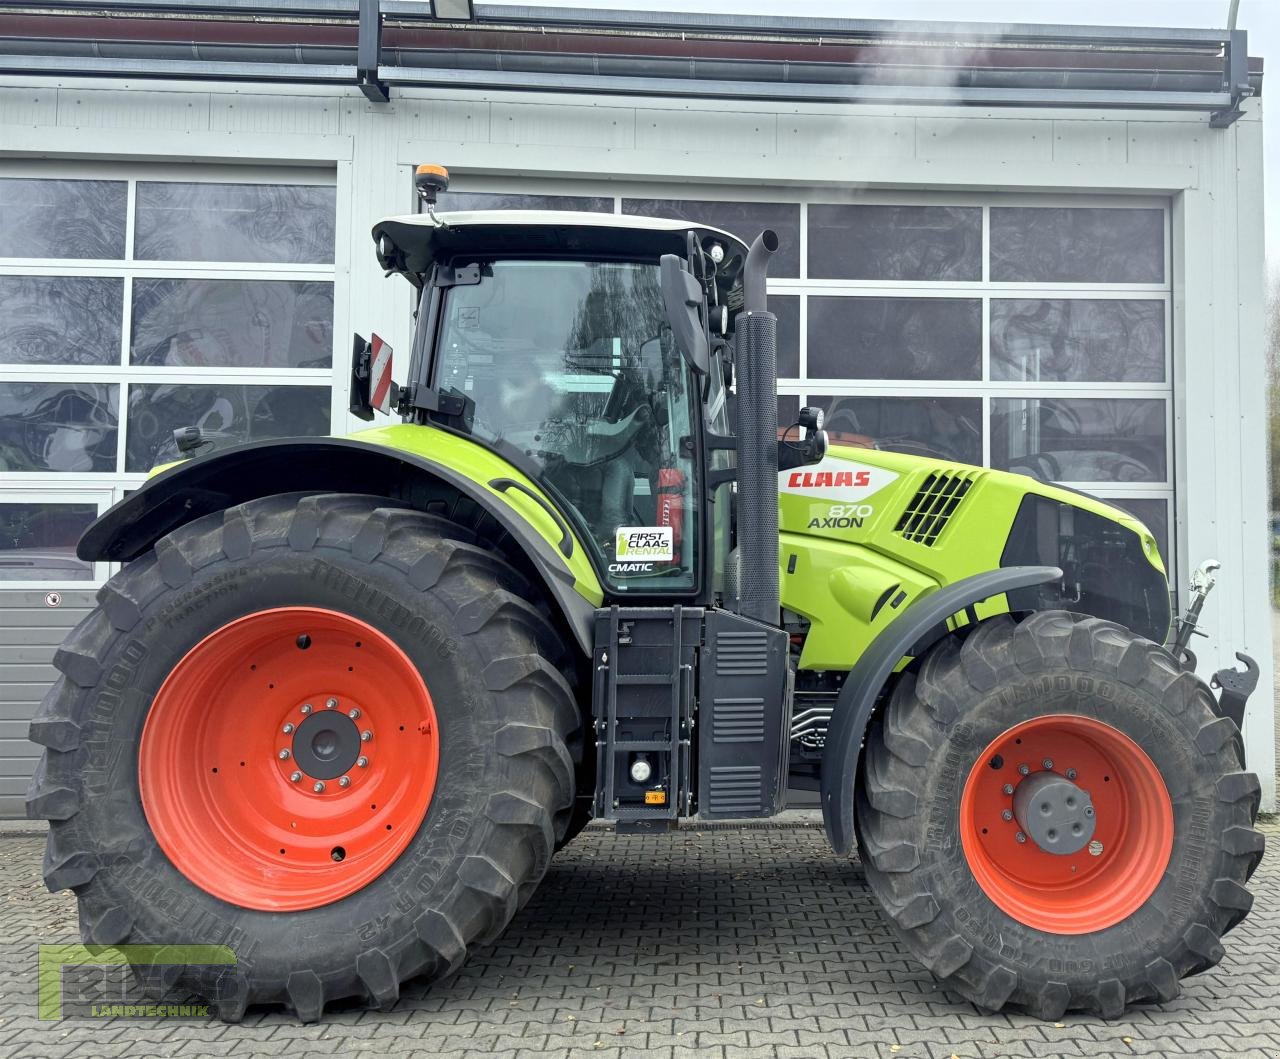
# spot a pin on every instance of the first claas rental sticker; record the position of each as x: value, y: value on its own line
x: 654, y: 543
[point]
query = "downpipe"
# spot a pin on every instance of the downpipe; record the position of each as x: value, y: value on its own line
x: 756, y: 363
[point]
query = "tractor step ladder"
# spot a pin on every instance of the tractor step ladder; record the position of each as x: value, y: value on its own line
x: 643, y: 694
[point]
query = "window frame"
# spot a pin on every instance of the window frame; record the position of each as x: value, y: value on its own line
x: 110, y: 486
x: 100, y: 498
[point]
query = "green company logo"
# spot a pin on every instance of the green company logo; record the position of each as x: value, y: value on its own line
x: 55, y: 959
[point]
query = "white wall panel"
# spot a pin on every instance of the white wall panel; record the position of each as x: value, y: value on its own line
x: 435, y: 119
x: 123, y: 109
x: 539, y: 125
x: 1163, y: 142
x: 677, y: 130
x: 998, y: 140
x: 846, y: 135
x: 36, y: 105
x: 1087, y: 142
x: 259, y: 113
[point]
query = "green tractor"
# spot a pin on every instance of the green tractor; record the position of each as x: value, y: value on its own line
x: 348, y: 696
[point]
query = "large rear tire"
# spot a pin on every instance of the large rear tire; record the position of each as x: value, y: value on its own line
x: 199, y: 791
x: 1106, y: 723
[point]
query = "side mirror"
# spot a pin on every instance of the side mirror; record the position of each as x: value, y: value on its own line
x: 683, y: 300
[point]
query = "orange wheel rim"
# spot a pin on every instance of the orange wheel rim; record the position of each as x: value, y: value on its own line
x: 1126, y: 852
x: 288, y: 759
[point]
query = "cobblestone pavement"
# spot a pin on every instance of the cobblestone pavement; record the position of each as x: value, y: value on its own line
x: 745, y: 942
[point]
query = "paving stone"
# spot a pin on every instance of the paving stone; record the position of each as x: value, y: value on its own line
x: 725, y: 944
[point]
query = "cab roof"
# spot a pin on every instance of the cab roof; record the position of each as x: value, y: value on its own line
x: 413, y: 243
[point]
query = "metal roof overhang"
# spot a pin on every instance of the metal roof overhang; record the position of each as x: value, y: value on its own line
x: 380, y: 43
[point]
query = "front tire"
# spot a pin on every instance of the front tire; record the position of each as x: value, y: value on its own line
x: 1008, y: 923
x: 170, y: 797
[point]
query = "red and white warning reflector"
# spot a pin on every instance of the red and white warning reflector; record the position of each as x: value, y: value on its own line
x: 380, y: 375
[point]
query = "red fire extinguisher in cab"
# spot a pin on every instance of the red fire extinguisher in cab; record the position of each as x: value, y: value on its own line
x: 671, y: 502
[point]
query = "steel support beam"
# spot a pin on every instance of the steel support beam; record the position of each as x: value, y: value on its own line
x: 368, y: 52
x: 1235, y: 78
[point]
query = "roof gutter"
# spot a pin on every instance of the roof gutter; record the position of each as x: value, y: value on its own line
x: 376, y: 44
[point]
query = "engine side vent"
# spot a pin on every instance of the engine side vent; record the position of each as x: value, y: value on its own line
x: 933, y: 505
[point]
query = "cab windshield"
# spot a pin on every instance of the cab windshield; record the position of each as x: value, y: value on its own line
x: 573, y: 363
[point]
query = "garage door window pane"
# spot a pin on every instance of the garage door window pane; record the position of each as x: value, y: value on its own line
x: 226, y: 414
x: 227, y: 323
x: 895, y: 338
x: 1077, y: 340
x: 787, y: 310
x: 281, y: 223
x: 60, y: 319
x: 1080, y: 439
x: 789, y: 412
x: 38, y: 541
x: 62, y: 218
x: 746, y: 220
x: 946, y: 427
x: 58, y: 426
x: 895, y: 242
x: 1074, y: 245
x: 486, y: 200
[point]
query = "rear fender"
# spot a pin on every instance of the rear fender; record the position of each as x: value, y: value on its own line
x: 910, y: 633
x: 225, y: 478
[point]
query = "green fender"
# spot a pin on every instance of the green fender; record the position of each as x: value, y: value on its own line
x: 373, y: 463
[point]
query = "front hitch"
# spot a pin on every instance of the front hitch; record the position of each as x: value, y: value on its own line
x: 1234, y: 688
x: 1233, y: 685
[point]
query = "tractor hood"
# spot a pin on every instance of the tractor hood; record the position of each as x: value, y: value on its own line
x: 870, y: 527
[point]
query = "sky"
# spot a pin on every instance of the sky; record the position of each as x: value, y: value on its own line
x: 1260, y: 17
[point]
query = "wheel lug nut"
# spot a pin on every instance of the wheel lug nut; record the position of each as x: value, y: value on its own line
x: 1007, y: 815
x: 306, y: 707
x: 318, y: 787
x: 1047, y: 763
x: 288, y: 728
x: 1088, y: 810
x: 1071, y: 774
x: 365, y: 736
x: 331, y: 704
x: 283, y: 755
x: 354, y: 714
x: 362, y: 761
x: 1020, y: 837
x: 1023, y: 770
x: 345, y: 781
x: 1007, y: 788
x: 296, y: 777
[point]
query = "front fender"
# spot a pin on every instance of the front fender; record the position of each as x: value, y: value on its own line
x: 227, y: 477
x: 862, y: 687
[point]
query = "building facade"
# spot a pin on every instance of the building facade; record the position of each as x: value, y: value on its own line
x: 1063, y: 289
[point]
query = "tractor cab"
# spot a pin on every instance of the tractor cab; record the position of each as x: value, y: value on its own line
x: 562, y: 342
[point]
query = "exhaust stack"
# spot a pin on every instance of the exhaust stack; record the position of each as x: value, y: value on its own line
x: 756, y: 361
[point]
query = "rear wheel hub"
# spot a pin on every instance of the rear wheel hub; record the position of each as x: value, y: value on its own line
x: 326, y: 745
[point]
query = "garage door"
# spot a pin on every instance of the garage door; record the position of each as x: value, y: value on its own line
x: 134, y: 301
